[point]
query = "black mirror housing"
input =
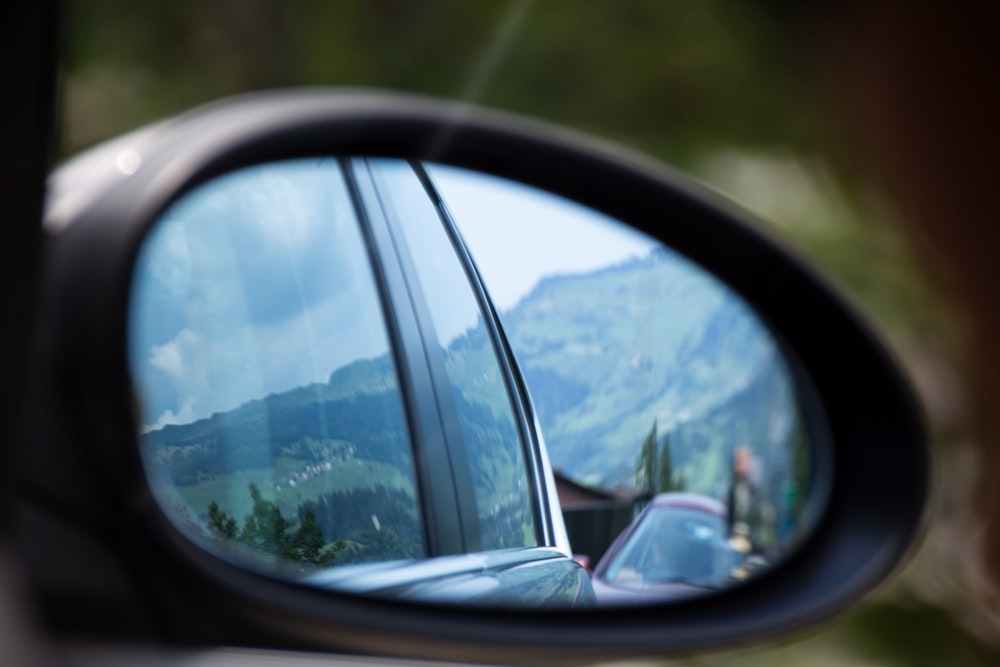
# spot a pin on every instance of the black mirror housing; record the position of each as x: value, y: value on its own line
x: 102, y: 206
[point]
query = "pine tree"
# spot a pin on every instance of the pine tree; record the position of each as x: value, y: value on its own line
x: 645, y: 465
x: 220, y: 522
x: 665, y: 480
x: 265, y: 528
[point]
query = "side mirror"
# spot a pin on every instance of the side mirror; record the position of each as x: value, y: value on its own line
x: 277, y: 361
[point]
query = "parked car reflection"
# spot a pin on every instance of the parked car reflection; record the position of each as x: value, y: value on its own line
x: 676, y: 547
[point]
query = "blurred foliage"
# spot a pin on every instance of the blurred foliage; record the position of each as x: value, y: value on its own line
x: 713, y: 86
x: 721, y: 88
x: 672, y: 78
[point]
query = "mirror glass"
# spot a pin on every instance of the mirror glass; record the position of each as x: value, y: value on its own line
x: 412, y: 380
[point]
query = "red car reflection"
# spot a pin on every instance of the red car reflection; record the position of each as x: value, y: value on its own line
x: 676, y: 547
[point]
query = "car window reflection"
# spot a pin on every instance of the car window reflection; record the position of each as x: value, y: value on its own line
x: 491, y: 439
x: 273, y: 424
x: 675, y: 544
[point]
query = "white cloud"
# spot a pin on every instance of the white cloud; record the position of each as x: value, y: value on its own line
x: 169, y: 357
x: 253, y: 286
x: 185, y: 415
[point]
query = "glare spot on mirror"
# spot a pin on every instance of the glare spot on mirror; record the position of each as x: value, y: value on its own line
x: 343, y: 382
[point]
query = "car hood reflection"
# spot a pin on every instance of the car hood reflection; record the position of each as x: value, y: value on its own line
x: 645, y: 592
x: 508, y: 577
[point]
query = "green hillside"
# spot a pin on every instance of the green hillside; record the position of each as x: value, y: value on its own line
x: 645, y: 347
x: 608, y: 354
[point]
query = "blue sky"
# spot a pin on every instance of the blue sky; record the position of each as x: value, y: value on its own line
x: 241, y: 288
x: 518, y: 234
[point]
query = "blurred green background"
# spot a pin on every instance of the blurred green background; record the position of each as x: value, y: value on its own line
x: 727, y: 90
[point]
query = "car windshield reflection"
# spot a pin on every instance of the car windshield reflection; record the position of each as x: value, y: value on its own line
x: 678, y: 546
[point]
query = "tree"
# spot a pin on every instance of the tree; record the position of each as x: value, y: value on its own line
x: 220, y: 522
x: 266, y: 530
x: 645, y: 465
x: 654, y: 471
x: 308, y: 546
x: 666, y: 480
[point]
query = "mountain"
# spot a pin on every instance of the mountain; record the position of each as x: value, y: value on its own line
x: 607, y: 356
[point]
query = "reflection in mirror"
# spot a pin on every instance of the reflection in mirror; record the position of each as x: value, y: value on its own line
x: 330, y: 366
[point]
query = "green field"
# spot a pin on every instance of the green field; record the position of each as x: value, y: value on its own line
x: 230, y: 490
